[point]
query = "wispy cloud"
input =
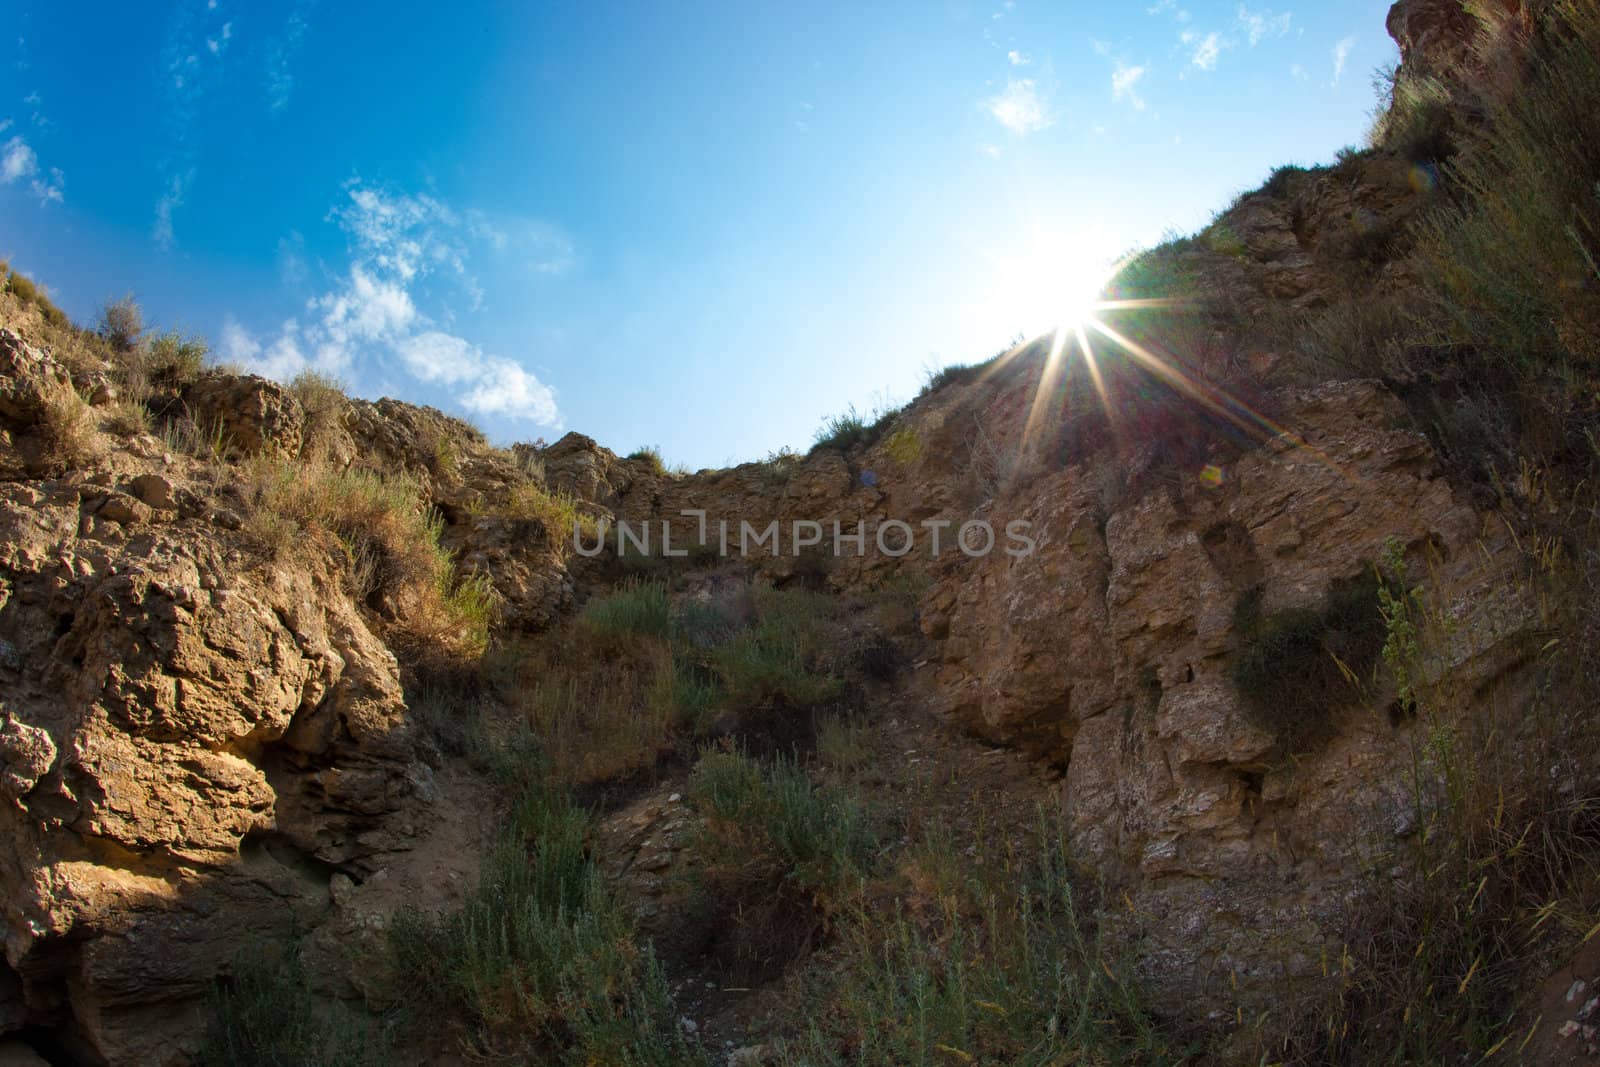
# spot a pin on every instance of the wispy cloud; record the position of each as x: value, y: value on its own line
x: 1125, y: 84
x: 1206, y: 50
x: 1018, y: 59
x: 1020, y: 108
x: 399, y: 245
x: 1341, y: 55
x: 1263, y: 25
x: 282, y: 50
x: 292, y: 259
x: 19, y: 162
x: 192, y: 59
x: 171, y: 200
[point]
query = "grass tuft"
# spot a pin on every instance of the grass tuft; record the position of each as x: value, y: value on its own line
x: 390, y: 540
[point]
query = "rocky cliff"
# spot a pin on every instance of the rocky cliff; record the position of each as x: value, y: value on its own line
x: 214, y: 726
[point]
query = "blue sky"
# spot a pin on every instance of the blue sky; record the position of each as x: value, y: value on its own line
x: 698, y: 226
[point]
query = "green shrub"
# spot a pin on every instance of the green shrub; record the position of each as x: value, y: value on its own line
x: 1161, y: 273
x: 775, y: 661
x: 1284, y: 181
x: 779, y: 467
x: 650, y: 456
x: 23, y: 288
x: 1419, y: 121
x: 1497, y: 877
x: 322, y: 398
x: 122, y: 324
x: 172, y: 360
x: 954, y: 374
x: 264, y: 1015
x: 1513, y: 263
x: 819, y: 835
x: 390, y: 538
x: 1024, y: 980
x: 638, y: 609
x: 852, y: 430
x: 1364, y: 337
x: 1298, y: 666
x: 542, y: 957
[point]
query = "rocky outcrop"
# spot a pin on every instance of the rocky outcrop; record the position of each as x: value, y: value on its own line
x: 192, y: 745
x: 29, y: 376
x: 1108, y: 653
x: 248, y: 415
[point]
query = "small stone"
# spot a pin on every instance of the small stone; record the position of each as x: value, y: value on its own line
x: 1568, y: 1028
x: 26, y: 754
x: 688, y: 1024
x: 1588, y: 1009
x: 674, y: 798
x: 156, y: 491
x: 123, y: 510
x: 1576, y: 991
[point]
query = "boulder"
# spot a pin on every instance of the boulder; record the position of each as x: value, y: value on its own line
x: 251, y: 415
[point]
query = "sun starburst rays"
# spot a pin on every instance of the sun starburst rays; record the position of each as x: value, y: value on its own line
x: 1072, y: 341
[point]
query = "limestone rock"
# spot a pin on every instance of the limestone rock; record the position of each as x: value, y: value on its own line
x: 251, y: 414
x: 155, y: 491
x: 26, y: 754
x: 28, y: 378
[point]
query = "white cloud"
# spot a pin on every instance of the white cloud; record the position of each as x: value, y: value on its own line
x: 1020, y: 108
x: 236, y: 345
x: 291, y: 258
x: 1018, y: 59
x: 990, y: 150
x: 1207, y: 49
x: 398, y: 243
x: 17, y: 160
x: 1124, y: 84
x: 192, y: 58
x: 366, y: 309
x: 1341, y: 55
x: 1258, y: 26
x: 281, y: 53
x: 435, y: 356
x: 49, y: 191
x: 1298, y: 72
x: 171, y: 200
x: 505, y: 388
x: 282, y: 359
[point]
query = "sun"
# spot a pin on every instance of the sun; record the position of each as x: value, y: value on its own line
x: 1080, y: 286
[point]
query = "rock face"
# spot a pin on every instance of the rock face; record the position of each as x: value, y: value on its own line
x: 1108, y: 653
x: 191, y: 747
x: 28, y: 376
x: 1435, y: 36
x: 248, y: 414
x: 198, y: 747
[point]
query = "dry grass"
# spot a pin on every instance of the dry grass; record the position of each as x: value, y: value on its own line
x: 600, y: 717
x: 557, y: 513
x: 122, y: 324
x: 68, y: 423
x: 1497, y: 879
x: 390, y: 541
x: 323, y: 400
x: 128, y: 418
